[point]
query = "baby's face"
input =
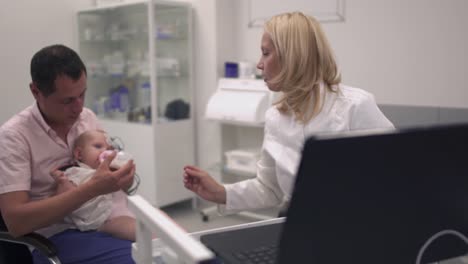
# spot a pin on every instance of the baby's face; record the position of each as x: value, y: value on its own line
x: 93, y: 147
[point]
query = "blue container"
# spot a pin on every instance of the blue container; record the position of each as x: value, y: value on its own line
x: 231, y: 70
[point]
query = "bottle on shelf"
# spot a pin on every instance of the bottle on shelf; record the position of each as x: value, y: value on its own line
x: 101, y: 106
x: 119, y: 102
x: 123, y: 98
x: 144, y: 94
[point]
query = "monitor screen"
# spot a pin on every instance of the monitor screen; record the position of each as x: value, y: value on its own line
x: 379, y: 198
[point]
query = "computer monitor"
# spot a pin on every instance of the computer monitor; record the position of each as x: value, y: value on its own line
x: 379, y: 198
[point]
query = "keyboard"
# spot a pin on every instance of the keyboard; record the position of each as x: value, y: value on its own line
x: 255, y: 244
x: 260, y: 255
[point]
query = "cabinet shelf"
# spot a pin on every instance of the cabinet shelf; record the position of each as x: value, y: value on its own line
x: 238, y: 123
x: 123, y: 121
x: 112, y: 76
x: 227, y: 176
x: 120, y: 41
x: 131, y: 85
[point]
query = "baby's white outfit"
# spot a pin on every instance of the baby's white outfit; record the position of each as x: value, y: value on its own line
x: 95, y: 212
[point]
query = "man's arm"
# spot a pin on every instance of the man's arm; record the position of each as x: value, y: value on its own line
x: 23, y: 216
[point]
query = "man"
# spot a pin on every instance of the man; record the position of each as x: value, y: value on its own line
x: 39, y: 139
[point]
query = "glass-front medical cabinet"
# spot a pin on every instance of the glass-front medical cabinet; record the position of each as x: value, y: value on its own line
x: 139, y: 62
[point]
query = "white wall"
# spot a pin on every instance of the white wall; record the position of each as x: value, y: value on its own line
x: 25, y: 27
x: 404, y: 52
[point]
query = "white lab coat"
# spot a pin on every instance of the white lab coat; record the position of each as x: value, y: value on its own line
x: 349, y: 109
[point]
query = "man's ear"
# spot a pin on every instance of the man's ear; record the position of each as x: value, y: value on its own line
x: 77, y: 153
x: 34, y: 90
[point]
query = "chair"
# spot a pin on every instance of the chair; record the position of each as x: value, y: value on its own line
x: 15, y: 250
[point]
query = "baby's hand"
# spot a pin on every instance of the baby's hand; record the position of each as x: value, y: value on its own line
x: 58, y: 175
x: 63, y: 184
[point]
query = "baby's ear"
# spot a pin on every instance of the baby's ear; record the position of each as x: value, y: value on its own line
x: 77, y: 153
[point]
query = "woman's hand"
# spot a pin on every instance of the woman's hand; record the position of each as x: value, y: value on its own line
x: 201, y: 183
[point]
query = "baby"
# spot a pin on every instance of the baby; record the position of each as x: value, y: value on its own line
x: 100, y: 213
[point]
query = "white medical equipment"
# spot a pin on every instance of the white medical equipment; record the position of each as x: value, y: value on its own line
x: 179, y: 248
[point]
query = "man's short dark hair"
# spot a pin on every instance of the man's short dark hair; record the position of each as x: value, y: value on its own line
x: 52, y: 61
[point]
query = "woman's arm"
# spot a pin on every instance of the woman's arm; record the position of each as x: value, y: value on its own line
x: 260, y: 192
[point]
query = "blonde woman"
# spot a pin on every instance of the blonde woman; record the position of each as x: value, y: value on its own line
x: 296, y: 60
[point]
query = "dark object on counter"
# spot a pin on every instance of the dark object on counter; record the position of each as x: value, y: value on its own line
x: 177, y: 109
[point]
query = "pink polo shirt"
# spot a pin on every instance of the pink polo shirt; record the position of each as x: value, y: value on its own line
x: 30, y: 149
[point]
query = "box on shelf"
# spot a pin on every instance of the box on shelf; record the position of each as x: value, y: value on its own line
x: 224, y: 105
x: 242, y: 160
x: 100, y: 3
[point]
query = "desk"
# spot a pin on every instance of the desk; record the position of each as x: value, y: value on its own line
x: 158, y: 246
x: 198, y: 234
x: 173, y: 242
x: 186, y: 248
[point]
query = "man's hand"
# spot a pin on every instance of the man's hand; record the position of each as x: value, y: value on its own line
x: 106, y: 180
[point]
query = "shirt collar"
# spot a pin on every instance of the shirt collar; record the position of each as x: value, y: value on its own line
x: 40, y: 119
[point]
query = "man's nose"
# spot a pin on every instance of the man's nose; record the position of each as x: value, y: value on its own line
x: 78, y: 104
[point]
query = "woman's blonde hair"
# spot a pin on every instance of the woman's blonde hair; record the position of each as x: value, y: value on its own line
x: 306, y: 60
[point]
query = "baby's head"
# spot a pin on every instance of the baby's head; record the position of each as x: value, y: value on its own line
x: 89, y: 145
